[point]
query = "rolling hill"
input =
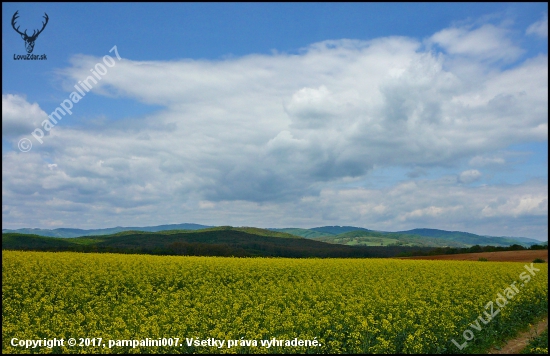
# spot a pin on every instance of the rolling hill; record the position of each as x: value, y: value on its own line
x: 219, y: 241
x: 336, y: 230
x: 307, y: 233
x: 375, y: 238
x: 344, y: 235
x: 471, y: 239
x: 353, y: 236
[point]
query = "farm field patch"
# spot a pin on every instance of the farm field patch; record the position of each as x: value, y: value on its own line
x: 346, y: 305
x: 501, y: 256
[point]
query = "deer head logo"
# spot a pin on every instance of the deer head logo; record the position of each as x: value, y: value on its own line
x: 29, y: 40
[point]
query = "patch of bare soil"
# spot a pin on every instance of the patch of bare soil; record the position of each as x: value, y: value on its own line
x: 517, y: 344
x: 501, y: 256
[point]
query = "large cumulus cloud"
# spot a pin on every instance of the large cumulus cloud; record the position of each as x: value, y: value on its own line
x: 266, y: 131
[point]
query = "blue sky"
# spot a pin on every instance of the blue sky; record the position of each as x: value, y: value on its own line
x: 385, y: 116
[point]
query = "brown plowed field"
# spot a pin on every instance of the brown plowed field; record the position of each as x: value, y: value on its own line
x: 503, y: 256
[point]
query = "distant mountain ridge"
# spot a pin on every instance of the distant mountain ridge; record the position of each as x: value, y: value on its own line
x: 349, y: 235
x: 467, y: 237
x: 344, y: 235
x: 68, y: 232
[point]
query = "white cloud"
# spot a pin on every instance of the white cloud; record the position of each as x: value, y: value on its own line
x: 20, y: 117
x: 469, y: 176
x: 519, y: 205
x: 539, y: 28
x: 481, y: 161
x: 431, y: 211
x: 312, y: 108
x: 486, y: 42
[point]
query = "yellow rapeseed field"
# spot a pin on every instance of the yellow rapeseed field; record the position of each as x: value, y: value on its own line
x: 345, y: 305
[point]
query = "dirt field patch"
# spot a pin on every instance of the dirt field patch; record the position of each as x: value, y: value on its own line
x: 503, y: 256
x: 517, y: 344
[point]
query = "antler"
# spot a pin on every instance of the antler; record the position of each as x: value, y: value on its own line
x: 15, y: 17
x: 43, y: 25
x: 34, y: 33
